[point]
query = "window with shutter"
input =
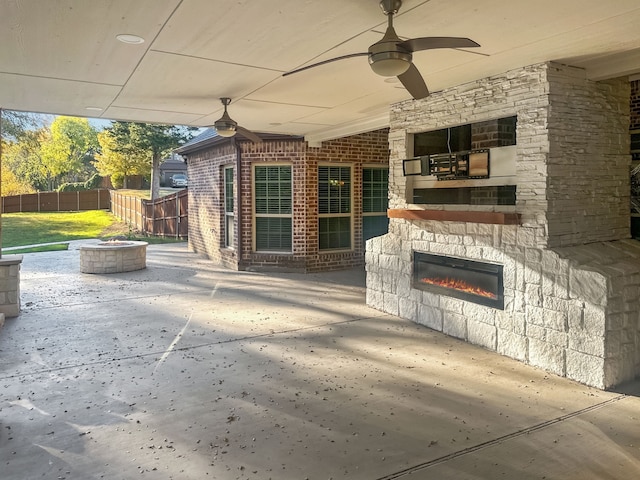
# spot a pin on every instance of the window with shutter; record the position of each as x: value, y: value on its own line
x: 334, y: 207
x: 229, y: 217
x: 273, y: 208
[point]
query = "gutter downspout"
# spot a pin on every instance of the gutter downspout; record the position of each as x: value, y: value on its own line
x: 2, y: 203
x: 239, y: 195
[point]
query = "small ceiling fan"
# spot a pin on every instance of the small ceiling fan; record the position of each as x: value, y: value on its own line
x: 227, y: 127
x: 392, y: 57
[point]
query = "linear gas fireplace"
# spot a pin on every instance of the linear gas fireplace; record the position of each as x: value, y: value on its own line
x: 469, y: 280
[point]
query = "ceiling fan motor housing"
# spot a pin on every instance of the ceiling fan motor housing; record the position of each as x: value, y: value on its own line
x: 390, y: 6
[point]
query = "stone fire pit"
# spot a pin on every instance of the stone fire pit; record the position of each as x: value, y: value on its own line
x: 113, y: 256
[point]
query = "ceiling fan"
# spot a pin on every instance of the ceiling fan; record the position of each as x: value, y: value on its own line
x: 391, y: 56
x: 227, y: 127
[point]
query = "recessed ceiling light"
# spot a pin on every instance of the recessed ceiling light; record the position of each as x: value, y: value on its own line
x: 130, y: 39
x: 94, y: 109
x: 391, y: 80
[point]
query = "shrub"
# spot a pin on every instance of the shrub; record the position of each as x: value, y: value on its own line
x: 91, y: 184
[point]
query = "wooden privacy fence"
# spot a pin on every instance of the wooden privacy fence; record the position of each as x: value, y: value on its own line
x: 164, y: 217
x: 57, y: 201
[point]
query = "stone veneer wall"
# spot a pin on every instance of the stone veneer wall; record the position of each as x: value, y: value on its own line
x: 9, y: 286
x: 571, y: 300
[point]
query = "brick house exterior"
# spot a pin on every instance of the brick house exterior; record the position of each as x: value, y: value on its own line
x: 210, y: 156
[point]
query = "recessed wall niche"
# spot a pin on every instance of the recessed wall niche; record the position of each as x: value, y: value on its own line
x: 432, y: 184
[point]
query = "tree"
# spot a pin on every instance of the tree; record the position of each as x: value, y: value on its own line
x: 14, y: 124
x: 24, y: 159
x: 72, y: 140
x: 12, y: 185
x: 118, y: 158
x: 152, y: 142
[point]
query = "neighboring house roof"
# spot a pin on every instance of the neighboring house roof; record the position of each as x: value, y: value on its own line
x: 174, y: 162
x: 209, y: 138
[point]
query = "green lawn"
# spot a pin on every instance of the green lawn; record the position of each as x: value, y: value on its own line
x: 34, y: 228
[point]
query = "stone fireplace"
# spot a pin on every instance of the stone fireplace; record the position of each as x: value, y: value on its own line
x: 549, y: 223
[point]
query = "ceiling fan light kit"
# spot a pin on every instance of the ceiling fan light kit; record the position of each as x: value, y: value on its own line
x: 224, y: 129
x: 227, y: 127
x: 390, y: 64
x: 392, y: 57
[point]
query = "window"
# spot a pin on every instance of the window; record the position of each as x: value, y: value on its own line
x: 229, y: 222
x: 334, y: 207
x: 375, y: 200
x: 273, y: 208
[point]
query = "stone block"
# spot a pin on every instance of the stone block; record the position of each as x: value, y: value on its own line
x: 555, y: 320
x: 404, y: 288
x: 550, y: 302
x: 482, y: 334
x: 588, y: 285
x: 431, y: 299
x: 375, y: 299
x: 374, y: 281
x: 594, y: 318
x: 536, y: 331
x: 533, y: 294
x: 554, y: 337
x: 587, y: 369
x: 389, y: 262
x: 408, y: 309
x: 430, y: 317
x: 450, y: 304
x: 454, y: 325
x: 535, y: 315
x: 585, y: 342
x: 390, y: 303
x: 546, y: 356
x: 479, y: 313
x: 512, y: 345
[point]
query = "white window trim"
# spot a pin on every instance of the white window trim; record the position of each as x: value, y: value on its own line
x: 254, y: 215
x: 371, y: 167
x: 228, y: 215
x: 338, y: 215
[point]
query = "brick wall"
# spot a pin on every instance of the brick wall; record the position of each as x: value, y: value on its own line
x: 498, y: 132
x: 635, y: 105
x: 206, y: 203
x: 358, y: 150
x: 206, y: 215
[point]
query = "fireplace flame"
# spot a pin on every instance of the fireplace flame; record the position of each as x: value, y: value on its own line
x: 460, y: 285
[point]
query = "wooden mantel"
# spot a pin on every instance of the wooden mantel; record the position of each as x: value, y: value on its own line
x: 495, y: 218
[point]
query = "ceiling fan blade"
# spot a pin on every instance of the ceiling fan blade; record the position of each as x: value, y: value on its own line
x: 248, y: 134
x: 428, y: 43
x: 351, y: 55
x: 414, y: 83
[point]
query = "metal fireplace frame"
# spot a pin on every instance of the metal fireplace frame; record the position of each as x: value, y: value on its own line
x: 490, y: 270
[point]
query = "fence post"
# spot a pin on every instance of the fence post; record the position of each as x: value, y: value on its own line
x: 177, y: 215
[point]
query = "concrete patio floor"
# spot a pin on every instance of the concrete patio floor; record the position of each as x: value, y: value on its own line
x: 186, y: 370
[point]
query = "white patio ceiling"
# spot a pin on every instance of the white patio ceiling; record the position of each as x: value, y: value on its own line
x: 62, y: 56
